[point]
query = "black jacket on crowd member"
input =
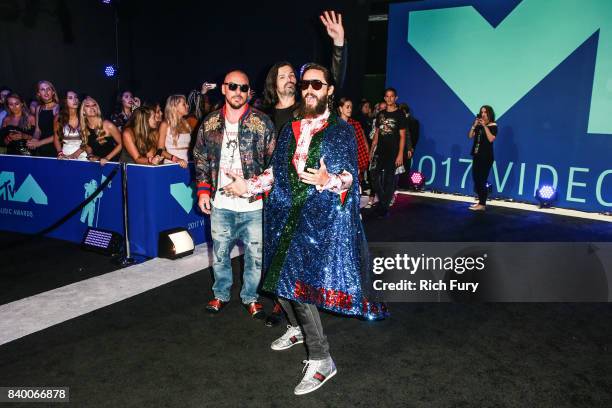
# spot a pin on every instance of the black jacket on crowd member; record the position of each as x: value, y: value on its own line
x: 413, y: 130
x: 366, y: 125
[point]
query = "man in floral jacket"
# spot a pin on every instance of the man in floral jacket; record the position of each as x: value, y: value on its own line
x: 236, y: 140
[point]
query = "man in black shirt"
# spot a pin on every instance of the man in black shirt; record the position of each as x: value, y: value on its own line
x: 279, y: 96
x: 389, y: 142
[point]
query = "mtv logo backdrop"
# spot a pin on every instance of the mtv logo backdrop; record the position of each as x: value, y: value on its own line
x: 546, y: 69
x: 36, y: 192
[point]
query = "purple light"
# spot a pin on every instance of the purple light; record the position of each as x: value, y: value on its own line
x: 106, y: 1
x: 99, y: 239
x: 110, y: 71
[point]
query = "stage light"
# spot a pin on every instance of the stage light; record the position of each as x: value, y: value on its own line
x: 110, y: 71
x: 417, y: 180
x: 546, y: 195
x: 175, y: 243
x: 106, y: 1
x: 102, y: 241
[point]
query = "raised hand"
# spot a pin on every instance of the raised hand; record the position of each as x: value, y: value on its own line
x: 333, y: 24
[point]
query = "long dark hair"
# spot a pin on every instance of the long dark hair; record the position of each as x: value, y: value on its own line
x: 63, y: 118
x: 119, y: 100
x: 145, y: 137
x: 490, y: 112
x: 270, y: 95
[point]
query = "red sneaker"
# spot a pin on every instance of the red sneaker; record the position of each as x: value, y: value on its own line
x: 215, y: 305
x: 255, y: 309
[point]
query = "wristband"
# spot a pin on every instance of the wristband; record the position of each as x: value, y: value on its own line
x: 174, y: 159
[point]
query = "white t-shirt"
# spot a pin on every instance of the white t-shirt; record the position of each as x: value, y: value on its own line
x: 230, y: 163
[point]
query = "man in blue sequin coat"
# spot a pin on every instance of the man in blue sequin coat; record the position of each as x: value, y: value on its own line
x: 315, y: 249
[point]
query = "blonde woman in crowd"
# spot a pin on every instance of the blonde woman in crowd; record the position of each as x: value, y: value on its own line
x: 46, y: 113
x: 17, y: 127
x: 103, y: 140
x: 175, y: 131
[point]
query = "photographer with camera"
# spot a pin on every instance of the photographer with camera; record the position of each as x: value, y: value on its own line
x: 484, y: 132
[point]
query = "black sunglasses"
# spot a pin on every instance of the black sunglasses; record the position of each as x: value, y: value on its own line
x: 232, y: 86
x: 315, y: 83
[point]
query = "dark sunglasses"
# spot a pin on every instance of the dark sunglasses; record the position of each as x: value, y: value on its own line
x: 315, y: 83
x: 232, y: 86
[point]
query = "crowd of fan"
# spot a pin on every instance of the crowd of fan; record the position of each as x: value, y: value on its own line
x: 66, y: 127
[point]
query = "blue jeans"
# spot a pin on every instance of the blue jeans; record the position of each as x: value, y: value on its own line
x: 226, y: 228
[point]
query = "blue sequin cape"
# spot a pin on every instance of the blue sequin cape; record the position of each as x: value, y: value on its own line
x: 315, y: 250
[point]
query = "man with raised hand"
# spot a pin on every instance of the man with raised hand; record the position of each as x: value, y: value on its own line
x: 315, y: 252
x: 280, y: 98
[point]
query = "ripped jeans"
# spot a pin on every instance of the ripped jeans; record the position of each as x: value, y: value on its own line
x: 226, y: 228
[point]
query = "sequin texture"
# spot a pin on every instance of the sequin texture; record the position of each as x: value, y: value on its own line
x: 315, y: 248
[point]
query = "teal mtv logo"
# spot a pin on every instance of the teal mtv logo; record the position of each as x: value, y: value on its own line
x: 184, y: 195
x: 499, y: 65
x: 29, y: 189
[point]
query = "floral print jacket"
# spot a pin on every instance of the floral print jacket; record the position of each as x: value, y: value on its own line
x: 257, y: 139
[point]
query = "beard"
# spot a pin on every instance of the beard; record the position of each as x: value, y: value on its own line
x: 288, y: 90
x: 305, y: 111
x: 234, y: 104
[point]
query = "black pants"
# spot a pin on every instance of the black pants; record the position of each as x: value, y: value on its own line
x: 481, y: 166
x: 385, y: 183
x: 307, y: 317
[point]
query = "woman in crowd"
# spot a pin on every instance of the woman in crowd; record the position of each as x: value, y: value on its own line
x: 364, y: 116
x: 4, y: 93
x: 345, y: 109
x: 68, y: 140
x: 46, y: 114
x: 102, y: 136
x: 17, y: 126
x: 175, y: 132
x: 140, y: 137
x: 484, y: 132
x: 158, y: 113
x: 125, y: 105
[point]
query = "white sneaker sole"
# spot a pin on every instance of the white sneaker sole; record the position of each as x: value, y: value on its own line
x: 277, y: 348
x: 318, y: 386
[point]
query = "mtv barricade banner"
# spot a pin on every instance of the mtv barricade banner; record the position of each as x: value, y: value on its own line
x: 161, y: 198
x: 491, y: 272
x: 36, y: 192
x: 546, y: 69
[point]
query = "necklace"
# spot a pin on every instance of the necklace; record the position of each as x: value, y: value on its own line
x: 232, y: 144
